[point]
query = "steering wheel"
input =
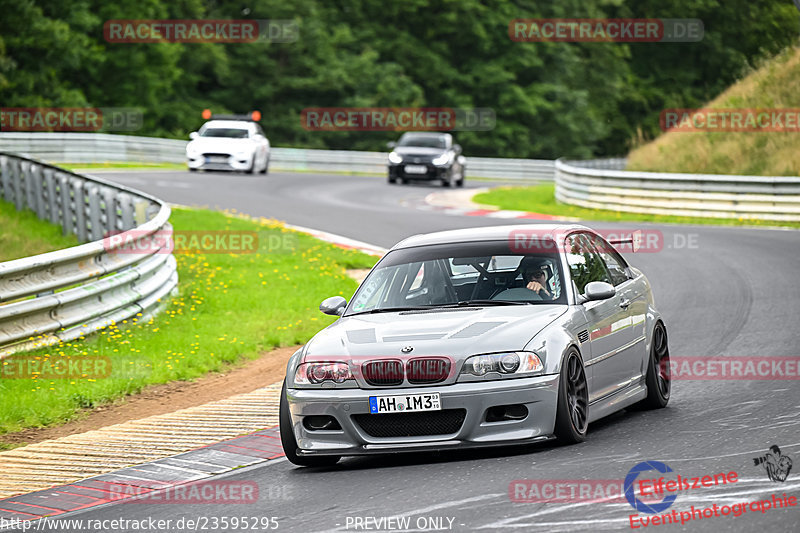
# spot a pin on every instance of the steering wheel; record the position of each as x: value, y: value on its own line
x: 517, y: 294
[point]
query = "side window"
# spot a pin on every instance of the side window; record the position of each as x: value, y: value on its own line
x: 615, y: 265
x: 585, y: 264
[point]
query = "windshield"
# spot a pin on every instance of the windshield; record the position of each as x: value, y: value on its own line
x: 423, y: 141
x: 487, y: 273
x: 231, y: 133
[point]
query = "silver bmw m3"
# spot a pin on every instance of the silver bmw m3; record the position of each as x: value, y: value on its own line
x: 478, y: 337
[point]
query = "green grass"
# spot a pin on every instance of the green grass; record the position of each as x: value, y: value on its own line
x: 231, y: 307
x: 22, y: 234
x: 776, y: 85
x: 541, y: 199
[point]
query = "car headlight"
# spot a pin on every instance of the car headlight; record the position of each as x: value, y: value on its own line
x: 192, y: 151
x: 395, y: 158
x: 487, y: 366
x: 443, y: 159
x: 316, y: 373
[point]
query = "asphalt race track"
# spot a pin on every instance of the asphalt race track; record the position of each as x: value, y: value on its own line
x: 722, y: 291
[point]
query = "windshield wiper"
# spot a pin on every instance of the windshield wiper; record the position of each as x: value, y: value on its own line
x: 394, y: 309
x: 468, y: 303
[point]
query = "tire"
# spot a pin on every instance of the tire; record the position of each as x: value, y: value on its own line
x: 265, y: 170
x: 572, y: 411
x: 392, y: 180
x: 192, y: 169
x: 252, y: 168
x: 460, y: 180
x: 289, y: 443
x: 448, y: 180
x: 658, y: 379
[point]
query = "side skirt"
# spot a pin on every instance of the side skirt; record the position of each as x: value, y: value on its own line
x: 621, y: 399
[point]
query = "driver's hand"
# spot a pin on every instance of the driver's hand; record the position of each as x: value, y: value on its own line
x: 534, y: 286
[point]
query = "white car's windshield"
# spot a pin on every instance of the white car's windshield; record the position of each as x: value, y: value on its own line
x: 460, y: 275
x: 231, y: 133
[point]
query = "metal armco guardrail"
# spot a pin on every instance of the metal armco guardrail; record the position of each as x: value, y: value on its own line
x: 102, y: 147
x: 62, y: 295
x: 602, y: 184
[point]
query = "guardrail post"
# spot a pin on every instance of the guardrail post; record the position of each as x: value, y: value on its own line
x: 78, y: 206
x: 17, y: 185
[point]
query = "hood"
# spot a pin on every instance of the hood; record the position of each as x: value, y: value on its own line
x: 219, y: 145
x: 458, y: 332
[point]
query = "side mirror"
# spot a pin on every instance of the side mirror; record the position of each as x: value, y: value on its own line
x: 333, y: 306
x: 597, y: 290
x: 457, y: 148
x: 391, y: 145
x: 193, y: 135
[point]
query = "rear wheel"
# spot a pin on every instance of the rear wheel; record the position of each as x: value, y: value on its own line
x: 572, y: 412
x: 289, y: 442
x: 659, y: 378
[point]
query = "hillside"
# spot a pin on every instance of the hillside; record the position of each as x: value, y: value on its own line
x: 768, y: 153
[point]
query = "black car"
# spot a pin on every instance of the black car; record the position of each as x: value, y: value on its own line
x: 426, y: 156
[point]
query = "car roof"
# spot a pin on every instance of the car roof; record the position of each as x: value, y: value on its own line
x: 490, y: 233
x: 232, y: 124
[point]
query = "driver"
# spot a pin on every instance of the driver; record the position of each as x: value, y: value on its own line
x: 536, y: 276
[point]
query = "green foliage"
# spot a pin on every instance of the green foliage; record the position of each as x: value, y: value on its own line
x: 551, y: 99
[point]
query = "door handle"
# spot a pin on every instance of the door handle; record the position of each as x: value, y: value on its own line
x: 624, y: 303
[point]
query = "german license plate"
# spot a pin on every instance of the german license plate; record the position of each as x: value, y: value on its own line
x: 216, y: 159
x: 409, y: 403
x: 416, y: 169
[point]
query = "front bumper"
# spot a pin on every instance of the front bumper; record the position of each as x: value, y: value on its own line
x: 433, y: 172
x: 218, y: 162
x: 539, y: 395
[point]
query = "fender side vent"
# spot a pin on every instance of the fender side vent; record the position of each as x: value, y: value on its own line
x: 583, y: 336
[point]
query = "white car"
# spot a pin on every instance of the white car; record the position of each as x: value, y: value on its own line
x: 229, y: 145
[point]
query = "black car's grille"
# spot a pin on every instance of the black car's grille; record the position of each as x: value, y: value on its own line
x: 444, y: 422
x: 427, y: 370
x: 383, y: 372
